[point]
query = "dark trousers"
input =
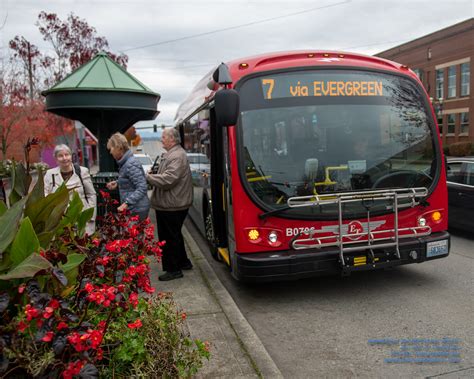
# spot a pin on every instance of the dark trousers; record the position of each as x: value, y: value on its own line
x: 169, y: 224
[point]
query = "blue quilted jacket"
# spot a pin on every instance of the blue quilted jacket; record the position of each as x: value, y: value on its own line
x: 132, y: 184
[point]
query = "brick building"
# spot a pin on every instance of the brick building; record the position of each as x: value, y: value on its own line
x: 443, y: 62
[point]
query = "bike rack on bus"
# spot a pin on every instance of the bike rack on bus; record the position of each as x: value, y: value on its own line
x: 381, y: 238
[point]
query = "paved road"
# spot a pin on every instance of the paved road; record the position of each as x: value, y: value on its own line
x: 321, y: 327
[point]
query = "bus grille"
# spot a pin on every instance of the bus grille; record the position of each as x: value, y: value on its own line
x: 353, y: 242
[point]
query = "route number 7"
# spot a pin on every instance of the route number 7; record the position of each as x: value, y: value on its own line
x: 270, y: 83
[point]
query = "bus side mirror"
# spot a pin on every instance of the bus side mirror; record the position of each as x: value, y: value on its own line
x: 227, y: 104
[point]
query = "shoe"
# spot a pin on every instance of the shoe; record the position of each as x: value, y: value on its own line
x: 170, y: 276
x: 187, y: 266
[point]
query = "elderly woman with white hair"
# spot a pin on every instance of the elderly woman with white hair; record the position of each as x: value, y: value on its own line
x: 77, y: 178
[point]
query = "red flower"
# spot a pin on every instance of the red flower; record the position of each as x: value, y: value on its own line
x: 113, y: 246
x: 135, y: 325
x: 104, y: 260
x: 133, y: 299
x: 73, y: 369
x: 31, y: 312
x: 133, y: 231
x: 22, y: 326
x: 124, y: 243
x: 48, y: 337
x: 101, y: 325
x: 89, y: 287
x: 21, y: 288
x: 96, y: 241
x: 95, y: 338
x: 134, y: 218
x: 150, y: 231
x: 62, y: 325
x: 183, y: 316
x: 132, y: 271
x: 54, y: 304
x: 121, y: 287
x: 157, y: 251
x: 142, y: 269
x: 100, y: 354
x: 96, y: 297
x: 148, y: 289
x: 104, y: 194
x: 48, y: 312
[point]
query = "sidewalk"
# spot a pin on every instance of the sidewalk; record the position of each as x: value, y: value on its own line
x: 236, y: 351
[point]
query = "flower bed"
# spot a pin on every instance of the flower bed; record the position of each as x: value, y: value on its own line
x: 71, y: 304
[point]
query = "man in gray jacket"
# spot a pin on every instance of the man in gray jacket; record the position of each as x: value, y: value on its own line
x: 171, y: 198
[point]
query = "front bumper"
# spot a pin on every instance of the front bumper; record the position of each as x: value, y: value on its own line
x: 296, y: 264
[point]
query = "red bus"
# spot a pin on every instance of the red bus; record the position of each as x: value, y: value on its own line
x: 315, y: 162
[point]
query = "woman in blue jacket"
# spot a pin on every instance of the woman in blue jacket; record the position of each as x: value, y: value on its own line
x: 131, y: 182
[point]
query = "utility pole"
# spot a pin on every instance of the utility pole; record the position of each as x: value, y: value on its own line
x: 30, y: 72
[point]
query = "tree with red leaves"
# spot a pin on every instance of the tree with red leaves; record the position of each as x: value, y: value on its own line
x: 74, y: 42
x: 18, y: 123
x: 30, y: 71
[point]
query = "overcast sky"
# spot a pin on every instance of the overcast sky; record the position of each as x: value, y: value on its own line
x: 153, y: 32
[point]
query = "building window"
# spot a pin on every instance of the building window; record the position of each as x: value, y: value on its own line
x: 439, y: 84
x: 464, y: 123
x: 452, y: 81
x: 440, y: 124
x: 451, y: 121
x: 465, y: 78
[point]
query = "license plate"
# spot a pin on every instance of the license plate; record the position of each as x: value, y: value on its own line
x: 433, y: 249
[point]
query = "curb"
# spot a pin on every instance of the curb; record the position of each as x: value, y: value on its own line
x: 257, y: 354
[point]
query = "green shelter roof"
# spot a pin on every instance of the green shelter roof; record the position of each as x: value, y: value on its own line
x: 101, y: 74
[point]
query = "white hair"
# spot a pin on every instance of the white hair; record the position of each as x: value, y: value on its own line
x: 61, y: 147
x: 173, y: 133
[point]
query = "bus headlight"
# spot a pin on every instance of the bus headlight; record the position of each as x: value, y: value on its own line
x: 422, y: 221
x: 264, y: 236
x: 273, y: 237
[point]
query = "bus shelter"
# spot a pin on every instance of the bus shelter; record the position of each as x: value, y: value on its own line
x: 105, y: 98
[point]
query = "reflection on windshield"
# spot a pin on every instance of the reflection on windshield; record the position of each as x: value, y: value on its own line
x: 318, y: 149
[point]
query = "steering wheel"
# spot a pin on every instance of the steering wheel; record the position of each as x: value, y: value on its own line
x: 403, y: 178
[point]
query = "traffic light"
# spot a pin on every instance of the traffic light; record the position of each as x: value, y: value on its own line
x: 155, y: 128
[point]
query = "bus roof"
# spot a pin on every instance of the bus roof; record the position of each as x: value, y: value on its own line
x: 273, y: 61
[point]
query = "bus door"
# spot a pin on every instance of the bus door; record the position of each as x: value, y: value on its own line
x: 218, y: 178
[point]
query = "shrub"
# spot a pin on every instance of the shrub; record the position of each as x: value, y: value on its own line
x: 460, y: 149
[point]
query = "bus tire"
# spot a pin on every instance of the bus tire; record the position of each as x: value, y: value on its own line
x: 210, y: 237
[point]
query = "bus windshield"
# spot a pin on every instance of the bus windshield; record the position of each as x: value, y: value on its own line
x: 320, y: 132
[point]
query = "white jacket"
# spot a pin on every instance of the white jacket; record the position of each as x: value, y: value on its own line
x: 74, y: 182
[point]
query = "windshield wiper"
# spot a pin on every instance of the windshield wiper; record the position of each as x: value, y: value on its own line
x: 273, y: 212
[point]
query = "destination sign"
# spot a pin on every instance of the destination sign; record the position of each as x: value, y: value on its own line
x: 322, y: 85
